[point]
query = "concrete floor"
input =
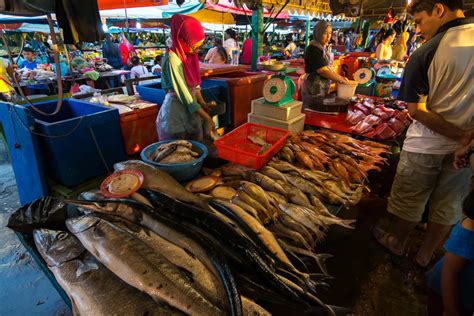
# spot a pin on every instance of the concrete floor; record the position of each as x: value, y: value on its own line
x: 24, y: 289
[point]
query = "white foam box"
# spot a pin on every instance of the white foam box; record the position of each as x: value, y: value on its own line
x: 294, y: 125
x: 284, y: 113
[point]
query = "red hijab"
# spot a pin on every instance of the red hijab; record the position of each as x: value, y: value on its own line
x: 186, y: 31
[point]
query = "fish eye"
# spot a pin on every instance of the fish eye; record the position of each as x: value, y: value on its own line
x: 62, y: 235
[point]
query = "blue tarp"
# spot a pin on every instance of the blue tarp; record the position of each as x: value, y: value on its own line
x: 11, y: 19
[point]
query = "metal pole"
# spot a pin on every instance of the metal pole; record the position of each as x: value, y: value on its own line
x: 257, y: 38
x: 306, y: 36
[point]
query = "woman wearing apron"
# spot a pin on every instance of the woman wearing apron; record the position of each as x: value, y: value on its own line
x: 318, y: 71
x: 183, y: 111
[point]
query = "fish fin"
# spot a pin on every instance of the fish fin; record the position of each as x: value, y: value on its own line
x: 320, y: 277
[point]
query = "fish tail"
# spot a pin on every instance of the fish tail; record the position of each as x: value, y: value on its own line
x: 347, y: 223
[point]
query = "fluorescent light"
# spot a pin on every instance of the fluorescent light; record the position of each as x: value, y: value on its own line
x: 139, y: 25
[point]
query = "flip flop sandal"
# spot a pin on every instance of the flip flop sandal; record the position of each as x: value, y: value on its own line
x: 418, y: 265
x: 383, y: 240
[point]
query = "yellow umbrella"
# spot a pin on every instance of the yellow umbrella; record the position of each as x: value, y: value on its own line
x: 214, y: 17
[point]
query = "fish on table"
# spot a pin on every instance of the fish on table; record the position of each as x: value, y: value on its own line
x: 140, y: 266
x: 91, y: 287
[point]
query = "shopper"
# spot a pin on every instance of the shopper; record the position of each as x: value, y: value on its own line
x: 127, y: 51
x: 291, y: 49
x: 437, y: 87
x: 29, y: 61
x: 183, y: 109
x: 400, y: 49
x: 247, y: 51
x: 411, y: 44
x: 384, y: 48
x: 156, y: 69
x: 138, y: 70
x: 451, y: 281
x: 217, y: 54
x: 111, y: 52
x: 318, y: 72
x: 230, y: 43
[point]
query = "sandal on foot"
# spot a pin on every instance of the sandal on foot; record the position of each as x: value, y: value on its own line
x: 383, y: 238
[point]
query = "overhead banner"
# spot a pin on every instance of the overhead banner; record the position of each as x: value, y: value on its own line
x: 120, y: 4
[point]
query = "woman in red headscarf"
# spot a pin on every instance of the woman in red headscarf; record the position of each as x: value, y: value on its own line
x: 183, y: 111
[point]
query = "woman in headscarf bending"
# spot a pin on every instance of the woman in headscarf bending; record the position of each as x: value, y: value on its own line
x: 183, y: 111
x: 318, y: 72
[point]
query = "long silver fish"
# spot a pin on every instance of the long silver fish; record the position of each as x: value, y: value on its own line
x: 205, y: 281
x: 92, y: 288
x: 140, y: 266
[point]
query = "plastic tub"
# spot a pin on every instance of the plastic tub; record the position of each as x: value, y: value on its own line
x: 139, y: 129
x: 346, y: 91
x: 243, y: 88
x: 78, y: 139
x: 182, y: 172
x: 235, y: 146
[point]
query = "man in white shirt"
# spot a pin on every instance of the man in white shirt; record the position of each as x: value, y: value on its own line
x: 438, y: 87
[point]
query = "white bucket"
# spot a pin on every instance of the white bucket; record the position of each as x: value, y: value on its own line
x: 346, y: 91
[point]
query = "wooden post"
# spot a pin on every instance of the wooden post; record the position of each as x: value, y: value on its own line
x: 257, y: 36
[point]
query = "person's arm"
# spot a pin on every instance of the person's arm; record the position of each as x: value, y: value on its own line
x: 208, y: 55
x: 328, y: 73
x: 180, y: 87
x: 438, y: 124
x: 449, y: 283
x: 415, y: 89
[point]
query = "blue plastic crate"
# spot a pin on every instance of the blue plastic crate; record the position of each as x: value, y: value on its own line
x: 79, y: 140
x: 211, y: 90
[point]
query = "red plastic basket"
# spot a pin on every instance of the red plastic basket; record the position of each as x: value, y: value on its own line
x: 235, y: 146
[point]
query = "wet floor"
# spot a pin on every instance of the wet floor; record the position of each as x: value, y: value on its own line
x: 368, y: 280
x: 24, y: 289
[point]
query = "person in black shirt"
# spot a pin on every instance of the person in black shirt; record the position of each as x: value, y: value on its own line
x: 318, y: 72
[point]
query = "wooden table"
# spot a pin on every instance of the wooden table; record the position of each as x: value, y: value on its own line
x: 103, y: 77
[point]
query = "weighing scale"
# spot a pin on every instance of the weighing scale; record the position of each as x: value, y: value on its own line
x: 365, y: 78
x: 279, y: 90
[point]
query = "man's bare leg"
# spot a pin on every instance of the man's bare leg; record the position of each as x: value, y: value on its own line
x: 435, y: 234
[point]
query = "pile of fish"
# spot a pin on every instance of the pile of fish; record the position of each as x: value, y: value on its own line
x: 178, y: 151
x: 373, y: 118
x: 171, y: 252
x: 334, y: 155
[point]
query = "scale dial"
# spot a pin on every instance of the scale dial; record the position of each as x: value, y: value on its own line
x: 274, y: 89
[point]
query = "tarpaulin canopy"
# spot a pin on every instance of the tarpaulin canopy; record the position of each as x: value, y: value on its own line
x: 213, y: 17
x: 35, y: 28
x: 230, y: 7
x: 117, y: 4
x: 154, y: 12
x: 12, y: 19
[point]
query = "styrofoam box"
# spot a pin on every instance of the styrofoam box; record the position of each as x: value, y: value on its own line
x: 294, y: 125
x: 284, y: 113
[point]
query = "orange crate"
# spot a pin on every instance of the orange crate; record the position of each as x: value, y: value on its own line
x: 139, y: 129
x: 235, y: 146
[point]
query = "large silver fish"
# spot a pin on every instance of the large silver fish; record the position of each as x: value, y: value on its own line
x: 91, y: 287
x: 205, y: 281
x: 140, y: 266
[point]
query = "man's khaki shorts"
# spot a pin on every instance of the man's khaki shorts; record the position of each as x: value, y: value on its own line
x: 425, y: 178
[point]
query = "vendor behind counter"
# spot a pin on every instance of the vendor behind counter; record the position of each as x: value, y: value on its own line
x: 319, y: 72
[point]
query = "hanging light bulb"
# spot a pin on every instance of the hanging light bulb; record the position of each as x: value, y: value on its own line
x: 105, y: 28
x: 139, y: 25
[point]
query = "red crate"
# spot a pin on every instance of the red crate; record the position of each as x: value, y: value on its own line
x: 235, y: 146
